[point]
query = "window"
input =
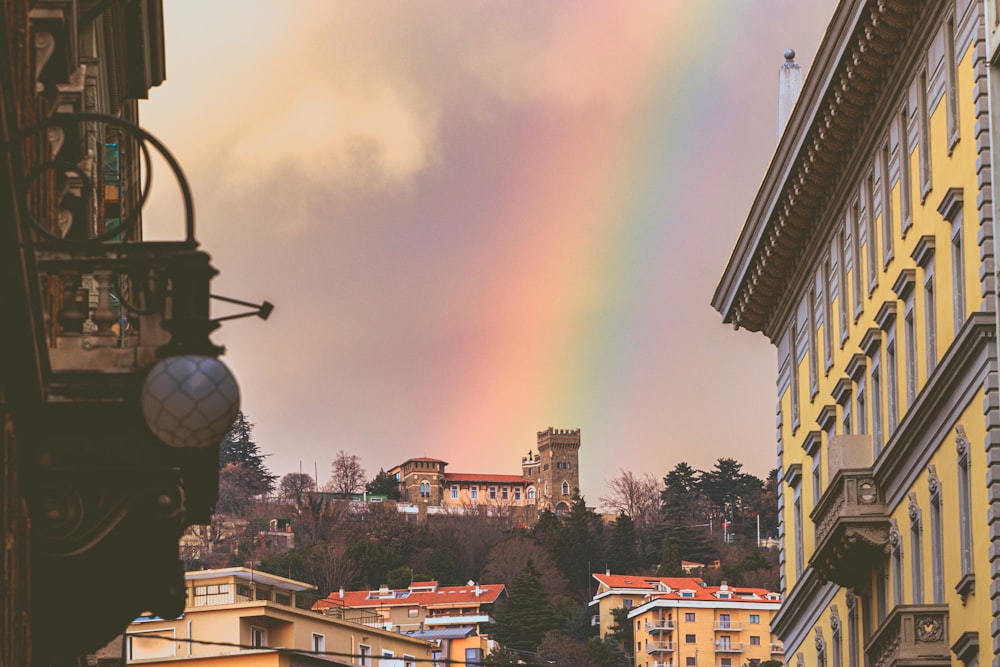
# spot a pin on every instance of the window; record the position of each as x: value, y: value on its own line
x: 878, y: 437
x: 910, y: 341
x: 412, y: 612
x: 836, y: 638
x: 827, y: 316
x: 473, y: 656
x: 689, y: 616
x: 454, y: 492
x: 364, y: 655
x: 437, y: 658
x: 930, y: 316
x: 319, y: 643
x: 690, y: 661
x: 408, y: 661
x: 951, y: 83
x: 856, y: 287
x: 861, y: 413
x: 852, y: 630
x: 565, y: 488
x: 870, y: 245
x: 950, y: 209
x: 916, y: 551
x: 797, y: 512
x: 820, y: 649
x: 258, y: 637
x: 886, y: 205
x: 493, y: 493
x: 531, y: 493
x: 690, y: 639
x: 896, y: 564
x: 842, y: 285
x: 793, y: 369
x: 891, y: 388
x: 726, y: 662
x: 923, y: 137
x: 425, y: 490
x: 505, y: 493
x: 962, y: 446
x: 627, y: 603
x: 724, y: 623
x: 905, y: 198
x: 813, y: 350
x: 754, y: 619
x: 937, y: 536
x: 517, y: 493
x: 754, y: 640
x: 474, y: 493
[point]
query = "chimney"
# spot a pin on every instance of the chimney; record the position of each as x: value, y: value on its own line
x: 789, y: 85
x: 341, y: 592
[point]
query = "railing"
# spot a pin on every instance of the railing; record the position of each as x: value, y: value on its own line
x: 778, y: 648
x: 727, y: 625
x: 663, y: 664
x: 660, y: 625
x: 660, y: 647
x: 729, y: 647
x: 911, y: 634
x: 218, y: 598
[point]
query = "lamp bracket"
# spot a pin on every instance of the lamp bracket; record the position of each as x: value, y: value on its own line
x: 262, y: 310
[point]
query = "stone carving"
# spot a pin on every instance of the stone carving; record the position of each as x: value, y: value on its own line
x: 819, y: 641
x: 851, y: 600
x: 929, y: 629
x: 835, y: 623
x: 45, y: 46
x: 800, y: 660
x: 933, y: 481
x: 961, y: 441
x: 867, y: 492
x: 912, y: 507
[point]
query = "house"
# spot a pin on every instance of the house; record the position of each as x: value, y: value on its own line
x: 424, y: 606
x: 868, y: 261
x: 237, y: 616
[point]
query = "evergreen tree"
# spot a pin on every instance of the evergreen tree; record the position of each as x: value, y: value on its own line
x: 524, y: 618
x: 623, y: 553
x: 670, y: 560
x: 238, y: 448
x: 384, y: 484
x: 576, y: 545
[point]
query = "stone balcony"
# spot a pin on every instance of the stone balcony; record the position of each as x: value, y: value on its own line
x: 911, y: 636
x: 851, y: 521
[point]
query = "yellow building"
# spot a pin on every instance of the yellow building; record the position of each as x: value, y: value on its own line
x: 681, y: 621
x: 240, y: 617
x: 867, y: 260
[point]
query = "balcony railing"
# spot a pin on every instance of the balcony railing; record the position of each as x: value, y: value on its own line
x: 663, y: 664
x: 852, y: 528
x: 660, y: 625
x: 729, y: 647
x: 723, y: 626
x: 778, y: 648
x: 910, y: 635
x: 660, y: 647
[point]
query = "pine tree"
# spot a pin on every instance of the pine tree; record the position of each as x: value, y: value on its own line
x: 623, y: 554
x: 527, y: 614
x: 238, y: 448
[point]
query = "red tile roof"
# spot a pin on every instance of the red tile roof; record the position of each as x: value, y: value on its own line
x: 481, y: 477
x: 695, y: 588
x: 443, y: 596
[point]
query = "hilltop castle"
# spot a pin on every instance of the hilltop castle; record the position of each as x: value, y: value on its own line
x: 548, y: 479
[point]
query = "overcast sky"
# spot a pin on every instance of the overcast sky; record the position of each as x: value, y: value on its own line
x: 480, y: 219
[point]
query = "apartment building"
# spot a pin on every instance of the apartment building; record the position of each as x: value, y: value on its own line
x: 684, y: 621
x: 868, y: 261
x: 237, y: 616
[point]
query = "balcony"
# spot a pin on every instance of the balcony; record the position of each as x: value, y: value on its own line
x: 663, y: 664
x: 729, y: 647
x: 911, y: 635
x: 653, y: 648
x: 660, y: 625
x: 777, y: 649
x: 727, y: 626
x: 852, y: 528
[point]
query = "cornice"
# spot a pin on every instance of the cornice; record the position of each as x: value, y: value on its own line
x: 801, y: 609
x: 848, y: 75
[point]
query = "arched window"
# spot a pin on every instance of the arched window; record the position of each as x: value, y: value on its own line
x: 531, y: 493
x: 565, y: 488
x: 425, y: 489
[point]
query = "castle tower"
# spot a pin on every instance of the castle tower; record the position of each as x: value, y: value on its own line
x: 557, y: 470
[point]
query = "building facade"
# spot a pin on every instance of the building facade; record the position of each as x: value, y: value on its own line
x: 868, y: 261
x: 681, y: 621
x: 236, y: 616
x: 548, y: 479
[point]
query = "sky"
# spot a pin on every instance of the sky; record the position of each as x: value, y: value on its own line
x: 477, y: 220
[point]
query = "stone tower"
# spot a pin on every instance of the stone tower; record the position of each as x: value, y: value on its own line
x: 558, y: 471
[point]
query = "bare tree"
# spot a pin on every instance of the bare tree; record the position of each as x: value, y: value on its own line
x: 294, y: 484
x: 347, y: 475
x: 636, y: 496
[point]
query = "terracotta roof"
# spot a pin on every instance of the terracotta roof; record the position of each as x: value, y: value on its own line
x: 424, y: 458
x: 443, y: 596
x: 482, y: 477
x: 686, y: 588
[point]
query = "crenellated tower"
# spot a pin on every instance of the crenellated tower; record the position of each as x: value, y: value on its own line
x: 556, y: 468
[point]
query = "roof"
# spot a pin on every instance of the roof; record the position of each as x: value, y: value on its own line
x: 683, y: 588
x: 247, y: 574
x: 425, y: 459
x: 441, y: 596
x: 847, y: 77
x: 460, y: 632
x: 482, y: 477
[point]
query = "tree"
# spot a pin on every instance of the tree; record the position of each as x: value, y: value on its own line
x: 347, y: 475
x: 236, y: 489
x: 636, y: 496
x: 384, y: 484
x: 527, y: 614
x: 622, y: 631
x: 507, y: 559
x: 294, y: 484
x: 623, y: 555
x: 239, y: 448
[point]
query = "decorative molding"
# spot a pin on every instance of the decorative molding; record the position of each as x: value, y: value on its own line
x: 886, y: 315
x: 966, y: 647
x: 962, y: 443
x: 857, y: 366
x: 933, y: 481
x: 842, y: 390
x: 924, y: 250
x: 811, y: 443
x: 827, y: 416
x: 872, y: 341
x: 904, y: 283
x: 912, y: 507
x: 951, y: 204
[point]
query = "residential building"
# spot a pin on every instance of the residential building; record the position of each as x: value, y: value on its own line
x: 548, y: 479
x: 253, y: 618
x: 868, y: 261
x: 424, y: 606
x: 683, y: 621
